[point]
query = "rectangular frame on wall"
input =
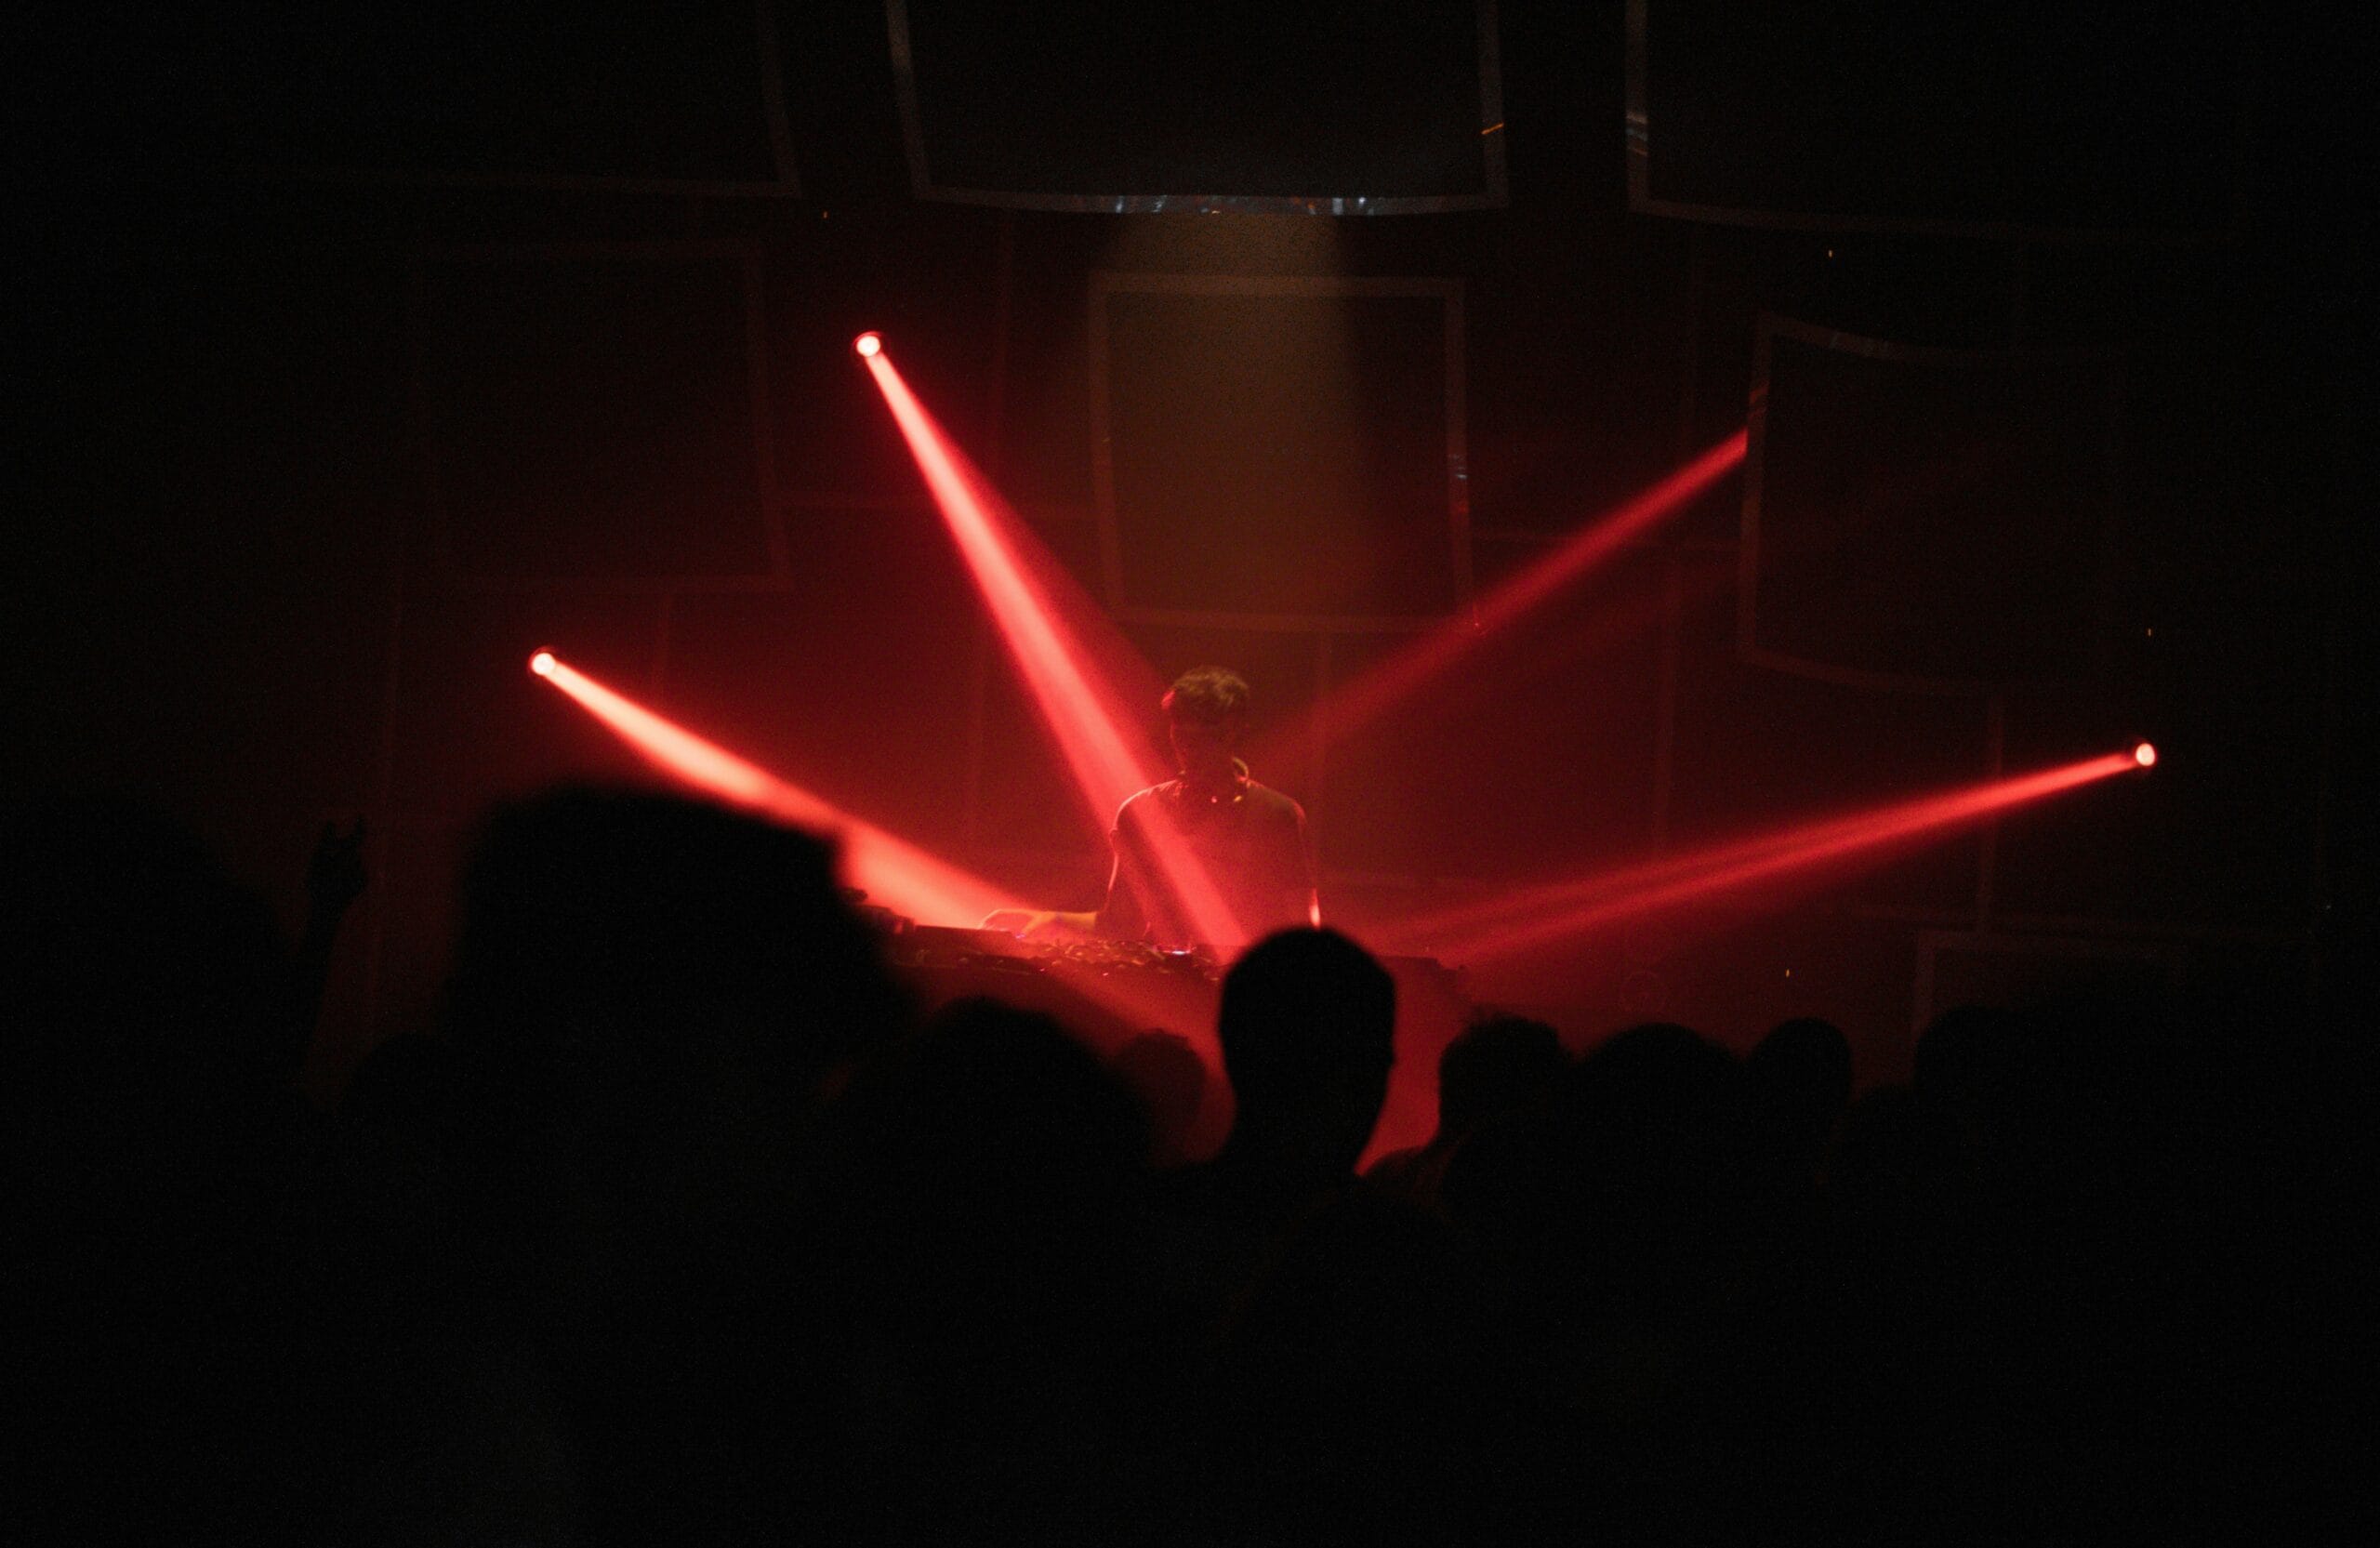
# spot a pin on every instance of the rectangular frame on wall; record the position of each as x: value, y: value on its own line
x: 1772, y: 328
x: 775, y: 122
x: 1106, y: 284
x: 442, y: 566
x: 1643, y: 201
x: 2163, y: 958
x: 1494, y: 195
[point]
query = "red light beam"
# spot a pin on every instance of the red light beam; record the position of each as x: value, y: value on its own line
x: 894, y: 873
x: 1429, y: 657
x: 1045, y: 625
x: 1543, y: 914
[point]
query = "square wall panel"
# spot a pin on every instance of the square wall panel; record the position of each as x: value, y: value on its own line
x: 1758, y: 751
x: 1929, y: 520
x: 1387, y: 107
x: 2021, y: 118
x: 597, y: 413
x: 574, y: 94
x: 1280, y: 453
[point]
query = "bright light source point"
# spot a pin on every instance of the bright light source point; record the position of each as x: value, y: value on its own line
x: 868, y: 345
x: 2145, y: 755
x: 542, y: 663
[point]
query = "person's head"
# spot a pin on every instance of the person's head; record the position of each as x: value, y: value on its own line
x: 1499, y: 1064
x: 1206, y: 714
x: 1171, y: 1080
x: 145, y: 989
x: 1308, y: 1033
x: 662, y: 984
x: 1801, y: 1072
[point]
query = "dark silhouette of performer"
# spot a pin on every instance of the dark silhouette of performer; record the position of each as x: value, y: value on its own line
x: 1249, y: 838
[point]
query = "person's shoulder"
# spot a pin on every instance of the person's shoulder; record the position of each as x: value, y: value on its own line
x: 1142, y: 802
x: 1277, y: 803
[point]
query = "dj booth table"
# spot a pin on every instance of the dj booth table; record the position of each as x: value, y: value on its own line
x: 1107, y: 993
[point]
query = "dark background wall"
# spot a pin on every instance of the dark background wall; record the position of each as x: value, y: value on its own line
x: 348, y: 364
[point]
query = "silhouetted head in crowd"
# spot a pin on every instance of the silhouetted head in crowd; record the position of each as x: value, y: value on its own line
x: 652, y: 1002
x: 1805, y: 1061
x: 1964, y: 1051
x: 145, y: 992
x: 1652, y: 1133
x: 1499, y: 1064
x: 1801, y: 1072
x: 973, y: 1222
x: 973, y: 1153
x: 1986, y: 1074
x: 1657, y: 1074
x: 155, y: 1163
x: 1171, y: 1080
x: 1003, y: 1106
x: 1656, y: 1107
x: 609, y: 917
x: 650, y: 997
x: 1308, y: 1032
x: 1797, y: 1086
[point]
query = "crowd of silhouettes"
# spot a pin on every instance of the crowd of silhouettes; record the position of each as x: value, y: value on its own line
x: 686, y: 1223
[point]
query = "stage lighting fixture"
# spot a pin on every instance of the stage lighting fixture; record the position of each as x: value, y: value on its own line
x: 542, y: 663
x: 894, y: 872
x: 870, y: 345
x: 2145, y: 755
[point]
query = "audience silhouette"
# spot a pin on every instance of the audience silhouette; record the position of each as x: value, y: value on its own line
x: 683, y: 1224
x: 1500, y: 1068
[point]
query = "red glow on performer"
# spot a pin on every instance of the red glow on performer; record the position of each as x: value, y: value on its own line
x: 893, y: 873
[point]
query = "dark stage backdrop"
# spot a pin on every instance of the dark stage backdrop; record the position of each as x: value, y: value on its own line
x: 1928, y: 519
x: 1279, y: 449
x: 598, y: 412
x: 601, y: 95
x: 310, y: 467
x: 2022, y: 117
x: 1387, y: 105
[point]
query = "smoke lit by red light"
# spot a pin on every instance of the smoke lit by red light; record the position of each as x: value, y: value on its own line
x: 1047, y: 627
x: 893, y: 873
x: 1540, y: 916
x: 1429, y: 657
